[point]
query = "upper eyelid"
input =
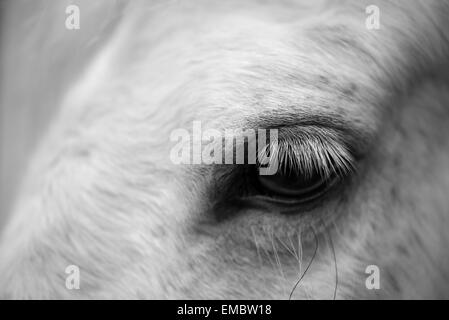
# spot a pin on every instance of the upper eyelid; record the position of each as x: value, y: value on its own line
x: 357, y: 134
x: 324, y: 132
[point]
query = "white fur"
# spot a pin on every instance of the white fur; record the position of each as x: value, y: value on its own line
x: 101, y: 192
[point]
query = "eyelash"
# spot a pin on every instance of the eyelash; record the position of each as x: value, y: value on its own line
x: 313, y: 150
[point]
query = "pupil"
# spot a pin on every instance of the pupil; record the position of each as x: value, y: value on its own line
x: 291, y: 184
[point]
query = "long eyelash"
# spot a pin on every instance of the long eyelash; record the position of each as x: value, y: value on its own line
x: 312, y: 150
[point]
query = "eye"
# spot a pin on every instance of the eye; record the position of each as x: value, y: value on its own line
x: 313, y: 165
x: 293, y: 187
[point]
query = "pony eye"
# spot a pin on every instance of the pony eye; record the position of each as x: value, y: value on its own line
x: 296, y: 187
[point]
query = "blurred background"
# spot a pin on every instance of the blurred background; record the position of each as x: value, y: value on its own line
x: 39, y: 59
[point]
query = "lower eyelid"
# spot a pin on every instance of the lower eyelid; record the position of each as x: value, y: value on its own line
x: 269, y: 228
x: 237, y: 193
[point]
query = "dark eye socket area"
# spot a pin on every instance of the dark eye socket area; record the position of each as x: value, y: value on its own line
x: 295, y: 186
x: 310, y: 164
x: 290, y: 187
x: 313, y: 163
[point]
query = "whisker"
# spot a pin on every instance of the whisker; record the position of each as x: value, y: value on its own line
x: 276, y: 256
x: 337, y: 229
x: 331, y: 244
x: 300, y: 251
x: 267, y: 253
x: 290, y: 250
x: 308, y: 266
x: 257, y: 245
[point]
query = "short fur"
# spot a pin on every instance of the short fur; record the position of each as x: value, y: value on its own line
x: 101, y: 192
